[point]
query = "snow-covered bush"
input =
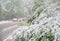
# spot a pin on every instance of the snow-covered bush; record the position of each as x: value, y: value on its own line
x: 37, y: 33
x: 46, y: 26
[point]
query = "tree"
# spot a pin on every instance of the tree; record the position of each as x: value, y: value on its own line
x: 36, y: 10
x: 11, y: 9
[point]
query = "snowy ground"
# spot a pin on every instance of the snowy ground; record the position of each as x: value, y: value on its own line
x: 2, y: 22
x: 6, y: 29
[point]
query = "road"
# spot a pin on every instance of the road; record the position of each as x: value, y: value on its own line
x: 6, y: 29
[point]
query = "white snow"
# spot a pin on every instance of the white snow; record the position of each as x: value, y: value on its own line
x: 3, y: 22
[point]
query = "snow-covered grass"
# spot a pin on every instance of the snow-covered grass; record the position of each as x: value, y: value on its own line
x: 23, y: 23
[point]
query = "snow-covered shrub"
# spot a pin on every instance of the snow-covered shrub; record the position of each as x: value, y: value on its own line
x: 46, y: 26
x: 37, y: 33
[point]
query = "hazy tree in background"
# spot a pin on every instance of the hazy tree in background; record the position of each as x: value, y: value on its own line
x: 0, y: 8
x: 11, y: 9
